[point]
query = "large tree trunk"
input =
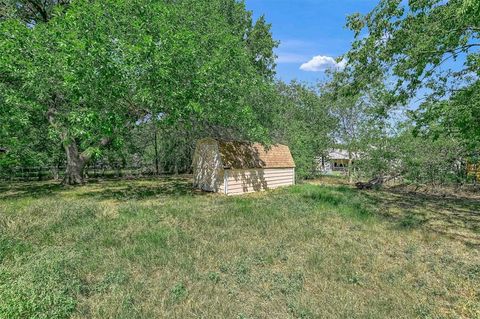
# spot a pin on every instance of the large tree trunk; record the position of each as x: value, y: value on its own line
x: 76, y: 160
x: 75, y: 165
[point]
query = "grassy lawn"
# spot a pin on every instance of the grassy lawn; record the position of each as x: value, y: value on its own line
x: 155, y: 248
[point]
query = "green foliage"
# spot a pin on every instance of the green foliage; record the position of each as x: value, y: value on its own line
x: 88, y: 76
x: 303, y: 122
x: 410, y: 221
x: 344, y: 200
x: 432, y: 161
x: 455, y: 118
x: 415, y: 159
x: 364, y: 118
x: 423, y: 49
x: 412, y: 40
x: 307, y: 131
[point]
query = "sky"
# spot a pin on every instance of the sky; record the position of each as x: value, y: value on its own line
x: 312, y: 33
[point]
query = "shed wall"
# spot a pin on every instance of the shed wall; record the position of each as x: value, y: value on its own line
x: 252, y: 180
x: 207, y: 167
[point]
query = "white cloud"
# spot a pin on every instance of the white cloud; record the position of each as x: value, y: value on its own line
x: 321, y: 63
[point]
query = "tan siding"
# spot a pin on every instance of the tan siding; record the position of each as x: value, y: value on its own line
x: 241, y: 177
x: 251, y: 190
x: 267, y: 183
x: 246, y: 181
x: 250, y: 166
x: 270, y: 172
x: 233, y: 188
x: 266, y: 170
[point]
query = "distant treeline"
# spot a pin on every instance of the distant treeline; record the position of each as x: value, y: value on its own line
x: 140, y: 81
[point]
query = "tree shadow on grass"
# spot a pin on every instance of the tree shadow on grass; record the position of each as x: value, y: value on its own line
x: 19, y: 190
x: 457, y: 217
x: 140, y: 190
x: 119, y: 189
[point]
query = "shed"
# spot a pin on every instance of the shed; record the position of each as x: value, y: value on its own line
x: 234, y: 167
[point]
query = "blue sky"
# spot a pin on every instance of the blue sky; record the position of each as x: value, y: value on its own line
x: 309, y: 28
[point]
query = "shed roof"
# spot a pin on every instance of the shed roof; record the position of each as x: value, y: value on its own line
x: 3, y: 150
x: 245, y: 155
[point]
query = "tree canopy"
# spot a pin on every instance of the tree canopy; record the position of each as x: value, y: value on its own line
x: 413, y: 41
x: 96, y: 70
x: 427, y: 55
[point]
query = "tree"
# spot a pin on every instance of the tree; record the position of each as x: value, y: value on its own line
x: 412, y: 41
x: 427, y: 161
x: 425, y: 50
x: 350, y: 115
x: 101, y: 68
x: 363, y: 115
x: 457, y: 117
x: 302, y: 121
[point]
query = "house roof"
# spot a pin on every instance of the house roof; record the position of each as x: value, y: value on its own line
x: 244, y: 155
x: 341, y: 154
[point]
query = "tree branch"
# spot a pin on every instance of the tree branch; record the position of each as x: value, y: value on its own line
x: 40, y: 9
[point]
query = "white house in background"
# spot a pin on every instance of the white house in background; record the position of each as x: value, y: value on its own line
x: 233, y: 167
x: 337, y: 160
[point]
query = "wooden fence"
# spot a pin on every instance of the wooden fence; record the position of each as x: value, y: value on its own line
x: 102, y: 171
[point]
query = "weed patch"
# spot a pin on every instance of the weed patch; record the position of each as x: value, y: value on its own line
x: 44, y: 286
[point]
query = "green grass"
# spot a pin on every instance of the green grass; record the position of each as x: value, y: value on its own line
x: 157, y: 249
